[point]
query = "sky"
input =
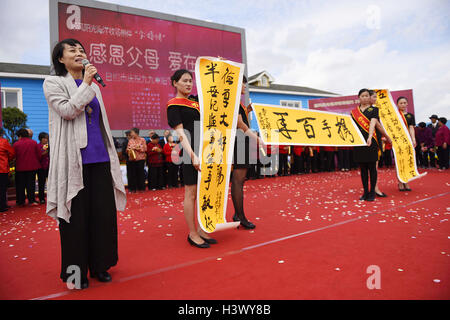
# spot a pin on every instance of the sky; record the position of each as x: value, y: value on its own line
x: 338, y: 46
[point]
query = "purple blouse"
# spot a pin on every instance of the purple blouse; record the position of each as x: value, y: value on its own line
x: 95, y: 150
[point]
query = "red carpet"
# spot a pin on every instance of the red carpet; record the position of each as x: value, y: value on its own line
x: 313, y: 240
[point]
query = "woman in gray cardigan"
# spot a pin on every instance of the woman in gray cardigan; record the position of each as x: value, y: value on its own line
x: 85, y: 187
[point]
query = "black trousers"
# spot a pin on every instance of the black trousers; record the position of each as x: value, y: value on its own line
x: 25, y: 180
x: 3, y: 190
x: 155, y: 177
x: 136, y: 175
x: 283, y: 168
x: 42, y: 177
x: 368, y: 169
x: 89, y: 241
x: 172, y: 174
x: 344, y: 159
x: 443, y: 157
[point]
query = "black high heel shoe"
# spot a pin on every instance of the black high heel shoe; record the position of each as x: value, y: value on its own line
x: 244, y: 222
x: 202, y: 245
x: 381, y: 195
x: 209, y: 240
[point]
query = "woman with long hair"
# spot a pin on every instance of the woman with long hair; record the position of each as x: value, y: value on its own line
x: 366, y: 116
x: 410, y: 122
x: 183, y: 115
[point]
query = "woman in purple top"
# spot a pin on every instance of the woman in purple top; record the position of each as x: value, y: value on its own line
x: 85, y: 187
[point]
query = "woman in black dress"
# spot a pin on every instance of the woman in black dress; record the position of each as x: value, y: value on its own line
x: 366, y: 117
x: 241, y: 163
x: 183, y: 115
x: 410, y: 122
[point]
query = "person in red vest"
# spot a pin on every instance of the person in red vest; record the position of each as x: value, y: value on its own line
x: 299, y: 164
x: 7, y: 154
x: 172, y: 168
x: 28, y: 156
x: 155, y: 159
x: 442, y: 142
x: 283, y: 152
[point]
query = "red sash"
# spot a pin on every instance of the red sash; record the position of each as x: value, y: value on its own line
x: 245, y: 109
x: 404, y: 119
x: 362, y: 120
x: 183, y: 102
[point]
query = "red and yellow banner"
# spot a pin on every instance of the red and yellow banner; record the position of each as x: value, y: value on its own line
x: 292, y: 126
x: 219, y: 84
x: 396, y: 127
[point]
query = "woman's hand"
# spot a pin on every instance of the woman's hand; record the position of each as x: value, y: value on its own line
x: 195, y: 162
x: 89, y: 73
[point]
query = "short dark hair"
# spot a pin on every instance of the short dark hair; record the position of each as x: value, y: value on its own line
x: 136, y: 130
x: 155, y: 136
x: 400, y: 98
x: 178, y: 74
x: 58, y: 50
x: 443, y: 120
x: 371, y: 92
x: 42, y: 135
x: 362, y: 91
x: 422, y: 124
x: 23, y: 133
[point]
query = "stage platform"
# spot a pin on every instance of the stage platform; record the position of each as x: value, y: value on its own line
x: 313, y: 240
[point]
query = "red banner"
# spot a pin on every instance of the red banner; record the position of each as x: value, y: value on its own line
x: 137, y: 55
x: 346, y: 104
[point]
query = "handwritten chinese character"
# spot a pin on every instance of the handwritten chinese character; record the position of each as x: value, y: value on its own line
x: 309, y: 129
x: 212, y: 70
x: 282, y: 125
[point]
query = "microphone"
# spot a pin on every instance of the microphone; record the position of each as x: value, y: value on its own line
x: 97, y: 77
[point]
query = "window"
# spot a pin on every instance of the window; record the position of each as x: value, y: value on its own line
x: 12, y: 97
x: 291, y: 103
x: 264, y: 81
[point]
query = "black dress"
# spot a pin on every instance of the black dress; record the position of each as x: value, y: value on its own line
x: 241, y: 155
x: 410, y: 120
x: 179, y: 111
x: 365, y: 153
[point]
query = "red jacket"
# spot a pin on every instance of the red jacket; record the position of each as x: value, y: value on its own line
x: 167, y: 150
x: 7, y: 153
x: 283, y: 149
x: 154, y: 158
x: 28, y: 155
x: 442, y: 135
x: 298, y: 150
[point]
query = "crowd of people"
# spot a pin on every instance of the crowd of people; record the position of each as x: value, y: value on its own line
x: 31, y: 160
x: 152, y: 164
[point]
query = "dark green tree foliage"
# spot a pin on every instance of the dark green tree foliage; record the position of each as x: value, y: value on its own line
x: 13, y: 120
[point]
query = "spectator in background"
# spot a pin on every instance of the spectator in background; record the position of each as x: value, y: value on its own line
x: 125, y: 153
x: 424, y: 143
x: 172, y: 168
x: 434, y: 128
x: 28, y: 157
x: 387, y: 153
x: 155, y: 162
x: 442, y: 141
x: 136, y: 149
x: 45, y: 161
x: 283, y: 152
x: 344, y: 158
x: 7, y: 154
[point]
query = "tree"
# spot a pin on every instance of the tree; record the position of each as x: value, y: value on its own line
x: 13, y: 120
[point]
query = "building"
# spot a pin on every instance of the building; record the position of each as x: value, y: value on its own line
x: 262, y: 89
x: 21, y: 87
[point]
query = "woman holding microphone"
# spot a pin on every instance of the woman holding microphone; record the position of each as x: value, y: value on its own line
x: 85, y: 187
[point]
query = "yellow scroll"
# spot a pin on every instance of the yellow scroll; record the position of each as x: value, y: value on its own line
x: 397, y: 130
x: 219, y: 84
x: 292, y: 126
